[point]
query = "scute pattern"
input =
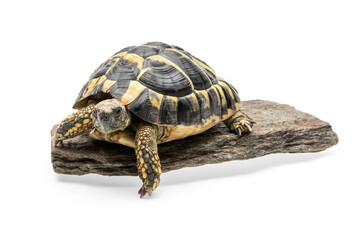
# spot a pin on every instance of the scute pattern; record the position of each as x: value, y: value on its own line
x: 168, y: 111
x: 188, y: 110
x: 214, y: 101
x: 198, y: 77
x: 162, y: 84
x: 165, y: 79
x: 123, y: 70
x: 144, y: 108
x: 196, y: 73
x: 144, y: 51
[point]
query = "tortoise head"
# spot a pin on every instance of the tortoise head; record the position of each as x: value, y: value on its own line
x: 110, y: 115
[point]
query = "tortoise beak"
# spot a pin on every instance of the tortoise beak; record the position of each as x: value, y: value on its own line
x: 104, y: 127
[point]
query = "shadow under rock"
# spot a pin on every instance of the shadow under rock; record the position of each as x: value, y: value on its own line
x: 240, y: 167
x: 205, y: 172
x: 101, y: 181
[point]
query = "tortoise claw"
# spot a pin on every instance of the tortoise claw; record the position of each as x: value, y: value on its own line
x: 149, y: 191
x: 142, y: 192
x: 239, y: 131
x: 248, y: 127
x: 57, y: 142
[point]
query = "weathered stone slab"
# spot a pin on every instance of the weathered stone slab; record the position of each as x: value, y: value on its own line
x: 280, y: 128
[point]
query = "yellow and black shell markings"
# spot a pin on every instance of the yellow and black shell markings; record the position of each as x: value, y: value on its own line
x: 162, y: 84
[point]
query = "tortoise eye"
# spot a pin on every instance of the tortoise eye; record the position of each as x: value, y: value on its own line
x: 118, y: 112
x: 94, y: 113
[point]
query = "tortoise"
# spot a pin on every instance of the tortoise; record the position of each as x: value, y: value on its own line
x: 150, y: 94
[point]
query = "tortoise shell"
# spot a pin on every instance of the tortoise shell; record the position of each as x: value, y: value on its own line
x: 162, y: 84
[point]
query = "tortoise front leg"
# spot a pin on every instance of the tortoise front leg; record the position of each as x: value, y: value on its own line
x: 75, y: 124
x: 148, y: 162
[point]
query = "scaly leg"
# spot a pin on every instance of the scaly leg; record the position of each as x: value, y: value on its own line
x: 75, y: 124
x: 239, y: 123
x: 148, y: 162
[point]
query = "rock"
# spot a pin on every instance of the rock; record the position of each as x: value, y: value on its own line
x: 280, y: 128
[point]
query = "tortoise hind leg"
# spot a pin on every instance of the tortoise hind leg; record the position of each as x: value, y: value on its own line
x: 239, y: 123
x: 75, y: 124
x: 148, y: 162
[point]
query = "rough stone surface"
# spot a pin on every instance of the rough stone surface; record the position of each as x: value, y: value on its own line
x: 280, y: 128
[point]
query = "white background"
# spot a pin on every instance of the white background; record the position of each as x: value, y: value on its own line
x: 303, y: 53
